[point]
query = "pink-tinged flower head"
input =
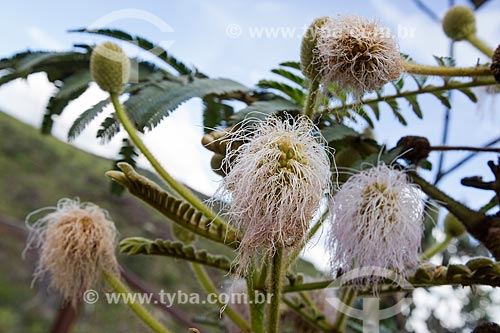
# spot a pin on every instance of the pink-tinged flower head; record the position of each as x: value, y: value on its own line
x: 377, y: 223
x: 275, y: 185
x: 76, y: 243
x: 357, y: 54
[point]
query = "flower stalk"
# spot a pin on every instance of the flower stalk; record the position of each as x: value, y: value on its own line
x: 436, y: 248
x: 273, y: 314
x: 347, y: 298
x: 179, y: 188
x: 208, y: 285
x: 311, y: 99
x: 414, y: 68
x: 136, y: 307
x: 480, y: 45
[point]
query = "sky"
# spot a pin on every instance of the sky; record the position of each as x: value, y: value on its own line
x: 221, y: 38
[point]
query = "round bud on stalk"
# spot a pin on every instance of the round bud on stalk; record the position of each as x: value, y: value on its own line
x: 76, y: 245
x: 453, y: 227
x: 110, y: 67
x: 495, y: 64
x: 415, y: 148
x: 310, y: 65
x: 459, y: 23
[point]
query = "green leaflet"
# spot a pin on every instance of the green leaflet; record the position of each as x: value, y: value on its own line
x: 263, y: 109
x: 439, y: 91
x: 85, y: 118
x: 291, y: 64
x: 297, y: 95
x: 175, y: 249
x: 57, y: 65
x: 128, y: 154
x: 144, y: 44
x: 55, y: 107
x: 297, y: 79
x: 215, y: 113
x: 176, y: 210
x: 77, y: 81
x: 72, y: 87
x: 338, y: 132
x: 174, y: 97
x: 109, y: 128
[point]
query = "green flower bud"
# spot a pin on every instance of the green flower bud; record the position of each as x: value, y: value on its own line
x: 425, y: 272
x: 308, y: 54
x: 459, y: 23
x: 216, y: 164
x: 110, y: 67
x: 453, y: 227
x: 458, y: 270
x: 495, y: 64
x: 478, y: 263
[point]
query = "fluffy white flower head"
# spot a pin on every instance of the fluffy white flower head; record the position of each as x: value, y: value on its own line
x: 377, y: 222
x: 77, y: 242
x: 275, y: 185
x: 357, y: 54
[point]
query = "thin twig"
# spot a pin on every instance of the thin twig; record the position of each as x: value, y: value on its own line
x: 457, y: 165
x: 475, y: 149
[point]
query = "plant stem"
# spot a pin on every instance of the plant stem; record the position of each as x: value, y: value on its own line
x: 209, y: 287
x: 308, y: 317
x: 455, y: 281
x: 347, y: 298
x: 179, y: 188
x: 273, y: 315
x: 436, y: 248
x: 469, y: 217
x: 475, y: 149
x: 480, y: 45
x: 311, y: 99
x: 138, y: 308
x: 261, y: 282
x: 256, y: 309
x: 415, y: 68
x: 423, y: 90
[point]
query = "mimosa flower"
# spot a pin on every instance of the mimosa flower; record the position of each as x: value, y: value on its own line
x: 357, y: 54
x: 275, y: 185
x: 377, y: 222
x: 76, y: 243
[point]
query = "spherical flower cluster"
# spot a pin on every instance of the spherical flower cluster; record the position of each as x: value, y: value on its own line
x: 275, y: 185
x: 76, y: 243
x: 110, y: 67
x: 459, y: 23
x: 377, y: 223
x: 357, y: 54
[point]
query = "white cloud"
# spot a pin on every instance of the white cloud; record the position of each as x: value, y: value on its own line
x: 42, y: 39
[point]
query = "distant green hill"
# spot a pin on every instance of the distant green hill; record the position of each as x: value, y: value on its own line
x: 37, y: 171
